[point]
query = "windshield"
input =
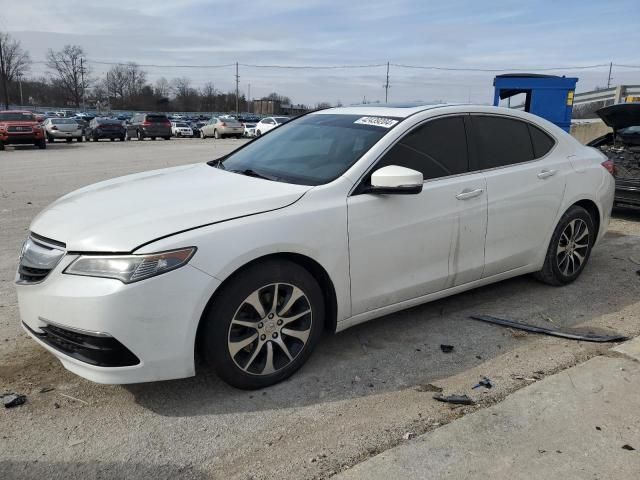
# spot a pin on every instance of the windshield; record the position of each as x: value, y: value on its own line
x: 312, y: 150
x: 181, y: 124
x: 17, y: 116
x: 281, y: 119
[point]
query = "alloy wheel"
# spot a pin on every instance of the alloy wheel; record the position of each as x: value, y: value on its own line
x: 270, y: 329
x: 573, y: 246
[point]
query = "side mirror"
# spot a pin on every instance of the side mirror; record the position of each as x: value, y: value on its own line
x: 396, y: 180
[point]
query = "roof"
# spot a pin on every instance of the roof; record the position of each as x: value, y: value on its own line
x: 16, y: 111
x: 386, y: 110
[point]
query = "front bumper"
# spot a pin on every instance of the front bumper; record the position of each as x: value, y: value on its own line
x: 154, y: 320
x: 20, y: 138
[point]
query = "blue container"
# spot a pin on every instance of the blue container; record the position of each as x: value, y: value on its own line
x: 547, y: 96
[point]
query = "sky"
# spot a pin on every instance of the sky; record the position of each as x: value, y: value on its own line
x: 488, y: 34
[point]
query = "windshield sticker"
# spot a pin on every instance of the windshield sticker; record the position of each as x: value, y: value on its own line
x: 377, y: 121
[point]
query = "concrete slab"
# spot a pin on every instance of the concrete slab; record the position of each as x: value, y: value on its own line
x: 630, y: 348
x: 572, y: 425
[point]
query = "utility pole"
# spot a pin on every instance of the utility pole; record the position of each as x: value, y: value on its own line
x: 82, y: 80
x: 609, y: 78
x: 249, y: 97
x: 20, y: 85
x: 3, y: 74
x: 386, y: 86
x: 237, y: 87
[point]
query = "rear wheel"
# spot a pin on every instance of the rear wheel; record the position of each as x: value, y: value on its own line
x: 216, y: 134
x: 122, y: 139
x: 68, y: 140
x: 167, y: 138
x: 1, y: 146
x: 569, y: 249
x: 49, y: 139
x: 267, y: 326
x: 112, y: 139
x: 79, y: 139
x: 238, y: 137
x: 140, y: 135
x: 41, y: 144
x: 153, y: 138
x: 258, y: 133
x: 202, y: 135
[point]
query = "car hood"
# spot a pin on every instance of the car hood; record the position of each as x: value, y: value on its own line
x: 621, y: 115
x: 121, y: 214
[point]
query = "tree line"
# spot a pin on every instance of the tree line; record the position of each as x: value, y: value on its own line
x: 72, y: 83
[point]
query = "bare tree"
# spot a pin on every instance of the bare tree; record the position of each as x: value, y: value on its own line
x: 115, y: 82
x: 69, y: 66
x: 136, y: 79
x: 14, y: 63
x: 162, y: 88
x: 208, y: 94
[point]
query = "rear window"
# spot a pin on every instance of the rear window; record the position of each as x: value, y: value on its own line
x: 108, y: 121
x: 17, y: 116
x: 501, y: 141
x: 542, y: 143
x: 181, y: 124
x: 157, y: 118
x: 63, y: 121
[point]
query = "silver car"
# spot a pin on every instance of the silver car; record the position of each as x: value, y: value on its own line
x: 62, y: 128
x: 219, y: 127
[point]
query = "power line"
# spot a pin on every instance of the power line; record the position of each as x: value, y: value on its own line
x: 470, y: 69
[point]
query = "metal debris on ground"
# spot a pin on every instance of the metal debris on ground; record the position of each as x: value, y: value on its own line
x: 455, y: 399
x: 484, y: 382
x: 46, y: 389
x: 587, y: 337
x: 429, y: 387
x: 10, y: 400
x: 626, y: 446
x: 446, y: 348
x: 409, y: 436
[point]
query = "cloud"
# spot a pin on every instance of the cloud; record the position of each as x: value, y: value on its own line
x: 468, y: 33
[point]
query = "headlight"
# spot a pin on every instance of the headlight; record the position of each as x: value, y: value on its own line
x: 130, y: 268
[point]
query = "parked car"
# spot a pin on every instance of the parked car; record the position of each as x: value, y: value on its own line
x: 338, y: 217
x: 269, y: 123
x: 19, y: 127
x: 148, y: 125
x: 62, y: 129
x: 249, y: 124
x: 100, y: 128
x: 181, y: 129
x: 622, y: 147
x: 219, y: 127
x: 196, y: 126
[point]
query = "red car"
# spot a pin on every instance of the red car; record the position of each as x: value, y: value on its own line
x: 19, y: 127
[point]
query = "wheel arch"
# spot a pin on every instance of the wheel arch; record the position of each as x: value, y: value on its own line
x: 312, y: 266
x: 592, y: 208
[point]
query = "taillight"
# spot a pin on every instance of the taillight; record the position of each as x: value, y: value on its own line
x: 146, y: 123
x: 54, y: 128
x: 223, y: 124
x: 610, y: 166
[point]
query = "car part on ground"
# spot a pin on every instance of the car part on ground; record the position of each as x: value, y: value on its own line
x: 585, y: 337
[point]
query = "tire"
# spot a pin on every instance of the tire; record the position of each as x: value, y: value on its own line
x: 140, y: 135
x: 248, y: 367
x: 41, y: 144
x: 216, y: 134
x: 202, y: 135
x: 153, y: 138
x: 258, y: 133
x: 122, y: 139
x: 569, y: 243
x: 112, y: 139
x: 2, y: 147
x: 69, y: 140
x: 49, y: 139
x: 167, y: 138
x: 238, y: 137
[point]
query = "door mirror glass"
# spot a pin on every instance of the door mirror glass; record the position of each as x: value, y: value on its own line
x: 394, y: 179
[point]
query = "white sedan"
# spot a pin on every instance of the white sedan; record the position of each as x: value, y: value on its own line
x: 181, y: 129
x: 336, y: 218
x: 269, y: 123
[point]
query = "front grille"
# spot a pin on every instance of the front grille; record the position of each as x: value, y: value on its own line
x: 39, y: 256
x: 19, y: 129
x: 98, y: 349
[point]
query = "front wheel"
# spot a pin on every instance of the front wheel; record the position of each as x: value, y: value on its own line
x: 140, y: 135
x: 258, y: 133
x: 569, y: 249
x: 202, y: 135
x: 263, y: 325
x: 216, y: 134
x: 41, y: 144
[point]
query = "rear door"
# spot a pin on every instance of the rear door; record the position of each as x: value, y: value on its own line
x: 525, y: 187
x: 405, y: 246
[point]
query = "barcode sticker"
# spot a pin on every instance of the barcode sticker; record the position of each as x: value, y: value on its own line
x: 377, y: 121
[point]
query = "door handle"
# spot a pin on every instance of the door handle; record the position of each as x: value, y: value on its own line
x: 546, y: 174
x: 466, y: 194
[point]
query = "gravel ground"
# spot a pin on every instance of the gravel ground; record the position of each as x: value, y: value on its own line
x: 361, y: 392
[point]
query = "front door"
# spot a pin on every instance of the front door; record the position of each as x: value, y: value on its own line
x: 405, y: 246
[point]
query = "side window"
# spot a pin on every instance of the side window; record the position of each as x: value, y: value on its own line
x: 542, y: 142
x: 437, y: 148
x: 501, y: 141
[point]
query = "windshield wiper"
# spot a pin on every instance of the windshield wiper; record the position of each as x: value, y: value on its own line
x: 252, y: 173
x: 217, y: 163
